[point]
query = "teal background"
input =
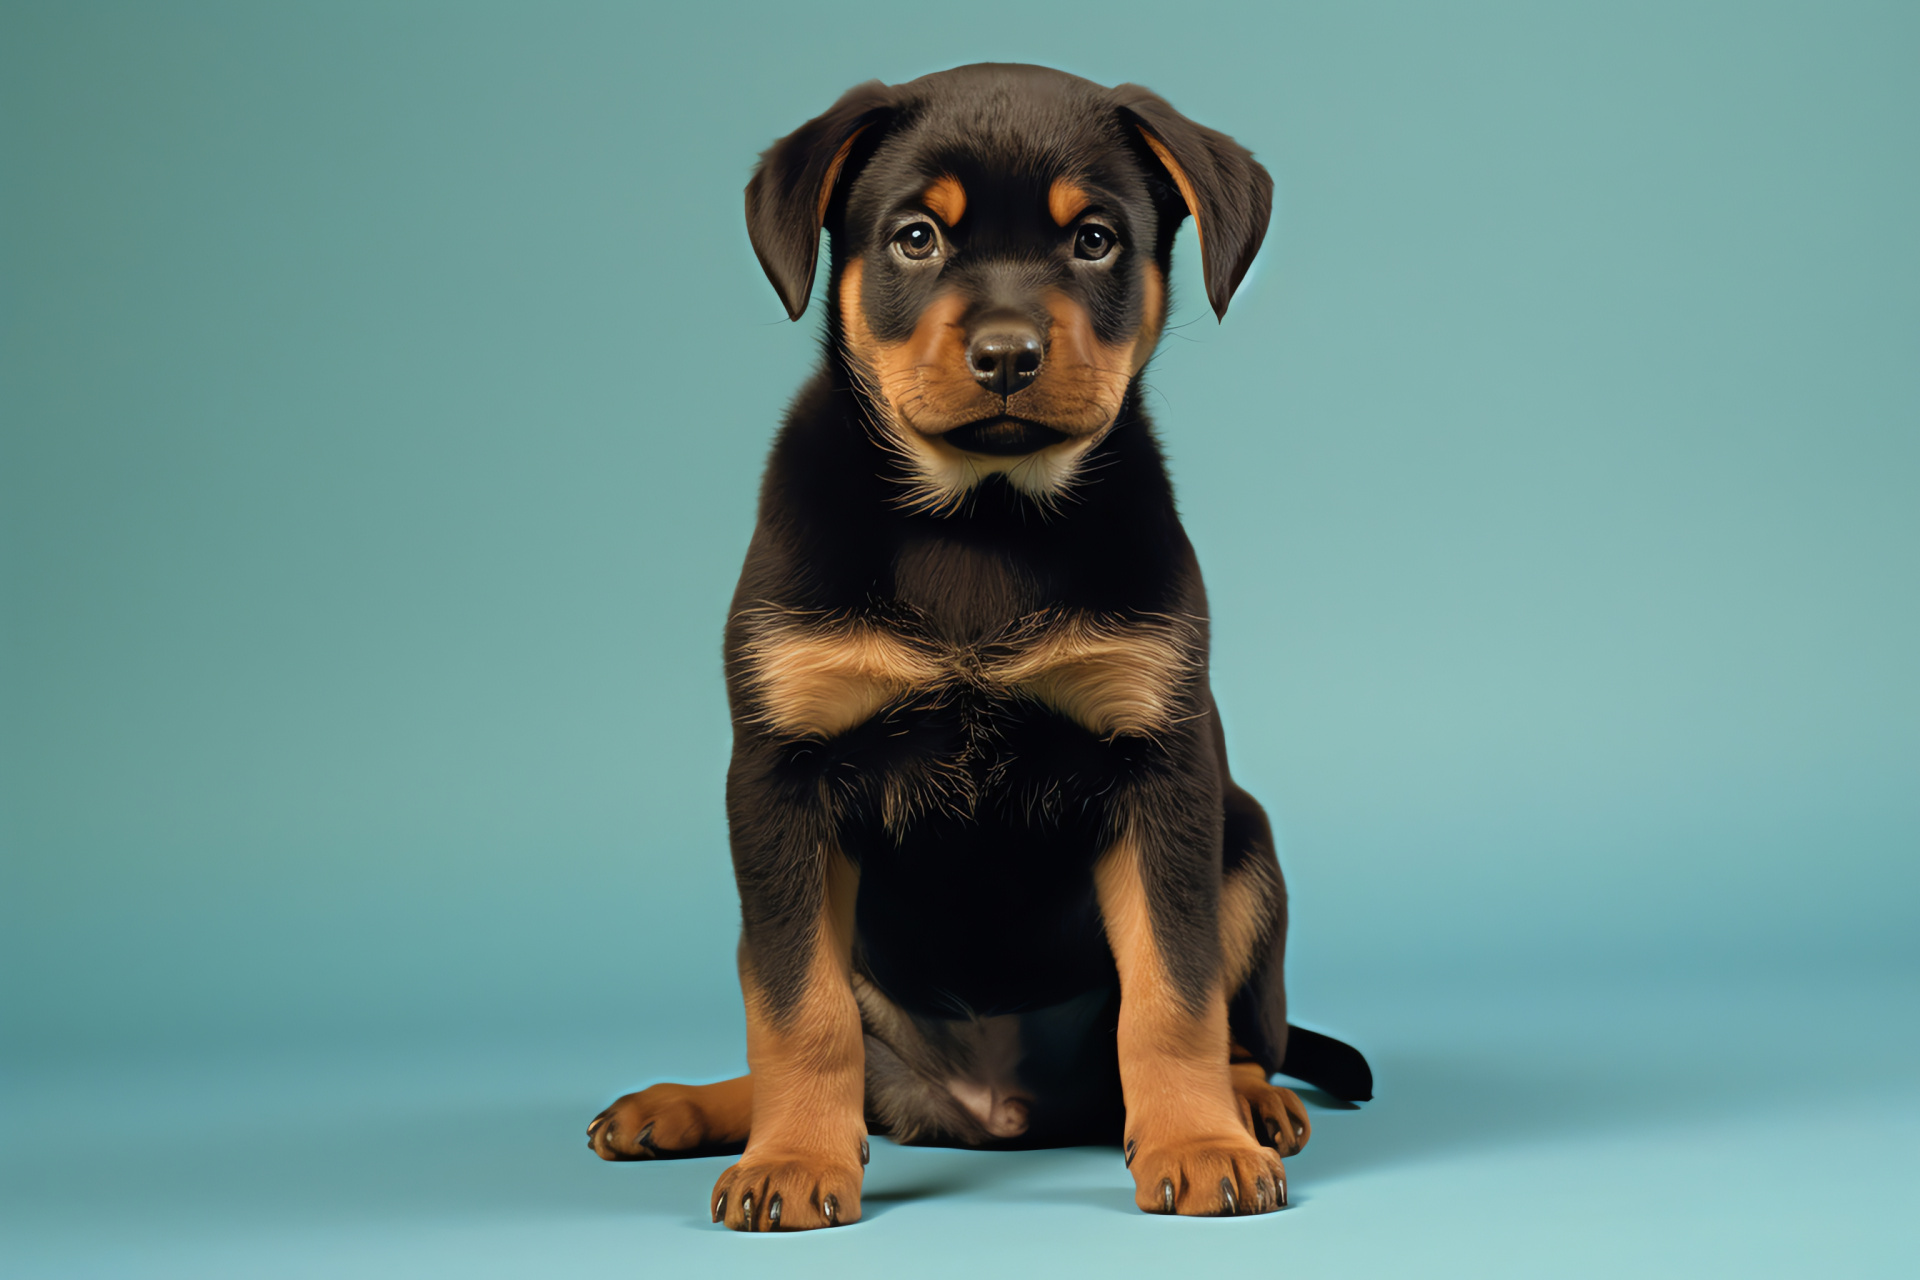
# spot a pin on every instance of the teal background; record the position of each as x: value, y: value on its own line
x: 384, y: 392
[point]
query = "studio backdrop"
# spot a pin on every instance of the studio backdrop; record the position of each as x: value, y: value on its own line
x: 383, y: 392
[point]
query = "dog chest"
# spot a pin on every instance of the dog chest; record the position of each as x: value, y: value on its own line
x: 814, y: 677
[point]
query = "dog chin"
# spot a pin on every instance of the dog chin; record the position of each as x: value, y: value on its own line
x: 1034, y: 459
x: 1003, y: 437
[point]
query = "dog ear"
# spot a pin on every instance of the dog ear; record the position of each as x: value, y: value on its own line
x: 793, y: 185
x: 1226, y: 190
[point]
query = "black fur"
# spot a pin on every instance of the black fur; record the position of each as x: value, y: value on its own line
x: 982, y: 901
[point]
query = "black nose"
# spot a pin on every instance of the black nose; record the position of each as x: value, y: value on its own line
x: 1005, y: 355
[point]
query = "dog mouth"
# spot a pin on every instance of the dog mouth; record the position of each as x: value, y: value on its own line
x: 1003, y: 437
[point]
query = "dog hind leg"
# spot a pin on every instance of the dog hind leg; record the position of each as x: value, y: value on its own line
x: 1272, y: 1114
x: 673, y: 1120
x: 1253, y: 915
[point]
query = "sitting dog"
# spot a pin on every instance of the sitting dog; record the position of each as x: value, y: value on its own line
x: 997, y: 887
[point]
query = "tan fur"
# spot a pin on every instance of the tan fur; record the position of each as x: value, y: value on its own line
x: 1273, y: 1115
x: 1106, y: 678
x: 1189, y: 1146
x: 1066, y: 200
x: 809, y: 1076
x: 1089, y: 377
x: 946, y: 200
x: 821, y: 677
x: 674, y: 1119
x: 1246, y: 910
x: 921, y: 378
x: 1183, y: 182
x: 1153, y: 309
x: 833, y: 175
x: 925, y: 379
x: 923, y: 389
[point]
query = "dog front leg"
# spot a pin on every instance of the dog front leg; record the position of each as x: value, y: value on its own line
x: 1186, y: 1145
x: 807, y: 1143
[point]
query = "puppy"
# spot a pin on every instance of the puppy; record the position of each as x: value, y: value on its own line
x: 996, y: 885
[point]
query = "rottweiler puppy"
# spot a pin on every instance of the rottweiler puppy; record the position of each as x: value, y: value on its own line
x: 996, y: 885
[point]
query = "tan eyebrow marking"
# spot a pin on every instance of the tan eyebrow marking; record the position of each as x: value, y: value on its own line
x: 1067, y: 200
x: 946, y: 200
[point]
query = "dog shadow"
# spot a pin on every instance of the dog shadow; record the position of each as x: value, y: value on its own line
x: 1430, y: 1107
x: 530, y: 1158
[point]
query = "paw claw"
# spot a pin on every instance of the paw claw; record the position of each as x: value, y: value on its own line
x: 1229, y: 1176
x: 645, y: 1140
x: 1132, y: 1145
x: 865, y: 1152
x: 790, y: 1192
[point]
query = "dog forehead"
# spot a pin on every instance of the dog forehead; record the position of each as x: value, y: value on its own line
x: 1017, y: 118
x: 1008, y: 126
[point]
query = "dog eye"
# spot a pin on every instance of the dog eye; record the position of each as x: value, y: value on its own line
x: 917, y: 241
x: 1093, y: 242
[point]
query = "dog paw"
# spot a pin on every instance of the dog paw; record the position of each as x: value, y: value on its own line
x: 1207, y: 1178
x: 1274, y: 1116
x: 668, y: 1120
x: 788, y: 1193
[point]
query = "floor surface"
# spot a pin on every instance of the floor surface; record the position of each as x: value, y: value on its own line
x: 1573, y: 1128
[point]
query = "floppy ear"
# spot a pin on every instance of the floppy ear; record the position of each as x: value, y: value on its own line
x: 1226, y: 190
x: 793, y: 184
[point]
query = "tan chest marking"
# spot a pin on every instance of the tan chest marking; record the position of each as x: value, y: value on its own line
x: 820, y: 679
x: 1107, y: 676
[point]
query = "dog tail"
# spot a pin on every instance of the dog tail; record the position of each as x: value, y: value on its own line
x: 1330, y: 1065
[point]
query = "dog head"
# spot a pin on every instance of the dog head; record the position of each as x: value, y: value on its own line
x: 1001, y: 237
